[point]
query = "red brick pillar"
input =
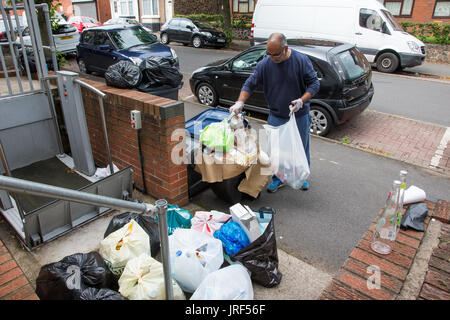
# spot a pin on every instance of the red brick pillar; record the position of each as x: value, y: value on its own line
x: 161, y: 117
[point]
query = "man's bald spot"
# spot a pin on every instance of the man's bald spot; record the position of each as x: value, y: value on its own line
x: 277, y: 38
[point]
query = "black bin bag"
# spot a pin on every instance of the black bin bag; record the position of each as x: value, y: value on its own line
x: 101, y: 294
x: 159, y: 72
x: 261, y: 257
x: 123, y: 74
x: 147, y: 223
x: 67, y: 278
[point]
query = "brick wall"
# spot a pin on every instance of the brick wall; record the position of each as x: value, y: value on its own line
x: 422, y: 12
x: 103, y: 10
x: 160, y: 117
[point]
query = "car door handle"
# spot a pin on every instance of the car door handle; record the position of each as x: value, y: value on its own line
x: 358, y: 33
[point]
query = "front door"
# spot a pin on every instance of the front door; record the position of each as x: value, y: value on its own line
x: 101, y: 59
x: 168, y: 5
x: 230, y: 82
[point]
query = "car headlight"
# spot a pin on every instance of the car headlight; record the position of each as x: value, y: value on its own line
x: 174, y: 54
x: 208, y: 34
x: 414, y: 46
x: 136, y: 61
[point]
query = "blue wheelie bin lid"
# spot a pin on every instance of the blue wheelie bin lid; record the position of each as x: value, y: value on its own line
x: 205, y: 118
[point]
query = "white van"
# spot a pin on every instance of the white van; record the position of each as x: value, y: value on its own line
x: 365, y: 23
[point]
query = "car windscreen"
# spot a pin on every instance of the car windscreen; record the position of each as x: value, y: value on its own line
x: 131, y: 37
x: 392, y: 21
x: 202, y: 25
x: 353, y: 63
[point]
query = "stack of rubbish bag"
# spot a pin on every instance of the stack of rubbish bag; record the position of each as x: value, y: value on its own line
x: 159, y: 73
x: 212, y: 255
x: 153, y: 74
x: 69, y: 278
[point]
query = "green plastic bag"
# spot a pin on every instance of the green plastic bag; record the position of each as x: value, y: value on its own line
x: 177, y: 218
x: 218, y: 136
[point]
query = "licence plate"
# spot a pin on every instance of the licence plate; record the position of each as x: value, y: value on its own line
x: 220, y: 40
x: 67, y: 37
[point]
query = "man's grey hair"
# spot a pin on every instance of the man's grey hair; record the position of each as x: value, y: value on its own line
x: 280, y: 37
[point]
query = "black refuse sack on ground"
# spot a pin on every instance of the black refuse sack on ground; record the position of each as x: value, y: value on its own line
x: 146, y: 222
x: 123, y: 74
x: 261, y: 257
x: 159, y: 72
x: 101, y: 294
x: 414, y: 217
x: 67, y: 278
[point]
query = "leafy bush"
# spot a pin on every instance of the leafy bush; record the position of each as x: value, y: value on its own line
x: 428, y: 32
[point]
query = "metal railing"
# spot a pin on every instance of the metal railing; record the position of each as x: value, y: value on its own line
x: 36, y: 45
x: 43, y: 190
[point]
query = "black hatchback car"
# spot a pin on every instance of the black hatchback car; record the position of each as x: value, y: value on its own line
x: 344, y: 73
x: 192, y: 32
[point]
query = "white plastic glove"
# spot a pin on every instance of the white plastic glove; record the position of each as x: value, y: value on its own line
x: 295, y: 106
x: 237, y: 107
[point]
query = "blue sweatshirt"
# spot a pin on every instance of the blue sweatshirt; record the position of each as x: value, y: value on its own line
x: 284, y: 82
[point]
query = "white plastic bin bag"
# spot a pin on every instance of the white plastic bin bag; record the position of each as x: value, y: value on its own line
x: 122, y: 245
x: 193, y: 255
x: 287, y: 156
x: 208, y: 222
x: 229, y: 283
x: 143, y: 279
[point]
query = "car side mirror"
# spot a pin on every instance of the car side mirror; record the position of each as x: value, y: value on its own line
x: 384, y: 28
x: 104, y: 47
x: 190, y: 27
x: 154, y: 37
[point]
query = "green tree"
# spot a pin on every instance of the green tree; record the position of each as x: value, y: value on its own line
x: 227, y: 27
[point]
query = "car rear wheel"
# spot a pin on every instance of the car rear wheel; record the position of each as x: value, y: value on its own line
x: 321, y: 121
x: 387, y: 62
x: 82, y: 66
x: 165, y: 38
x: 197, y: 42
x: 206, y: 94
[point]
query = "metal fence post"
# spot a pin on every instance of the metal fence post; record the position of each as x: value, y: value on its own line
x: 161, y: 206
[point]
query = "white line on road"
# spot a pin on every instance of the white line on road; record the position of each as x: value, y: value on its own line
x: 440, y: 149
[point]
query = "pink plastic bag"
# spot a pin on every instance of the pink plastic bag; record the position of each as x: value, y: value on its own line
x: 208, y: 222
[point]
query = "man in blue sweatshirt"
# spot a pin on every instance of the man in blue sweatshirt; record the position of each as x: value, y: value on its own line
x: 289, y: 82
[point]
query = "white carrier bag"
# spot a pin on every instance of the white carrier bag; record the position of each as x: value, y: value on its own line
x: 286, y: 152
x: 143, y: 279
x: 124, y: 244
x: 229, y: 283
x: 193, y: 255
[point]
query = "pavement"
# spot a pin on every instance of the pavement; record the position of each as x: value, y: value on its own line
x: 301, y: 280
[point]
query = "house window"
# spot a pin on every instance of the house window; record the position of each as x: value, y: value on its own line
x: 115, y: 6
x: 150, y: 8
x: 441, y: 9
x: 130, y: 8
x: 400, y: 8
x: 243, y: 6
x: 123, y: 8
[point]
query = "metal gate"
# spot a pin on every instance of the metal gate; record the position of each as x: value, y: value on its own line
x: 30, y: 136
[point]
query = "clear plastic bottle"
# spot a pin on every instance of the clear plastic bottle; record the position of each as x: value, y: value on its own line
x: 385, y: 230
x: 403, y: 174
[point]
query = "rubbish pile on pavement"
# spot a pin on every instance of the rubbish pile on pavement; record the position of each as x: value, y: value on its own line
x: 213, y: 256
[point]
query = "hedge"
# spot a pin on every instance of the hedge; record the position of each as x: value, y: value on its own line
x: 428, y: 32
